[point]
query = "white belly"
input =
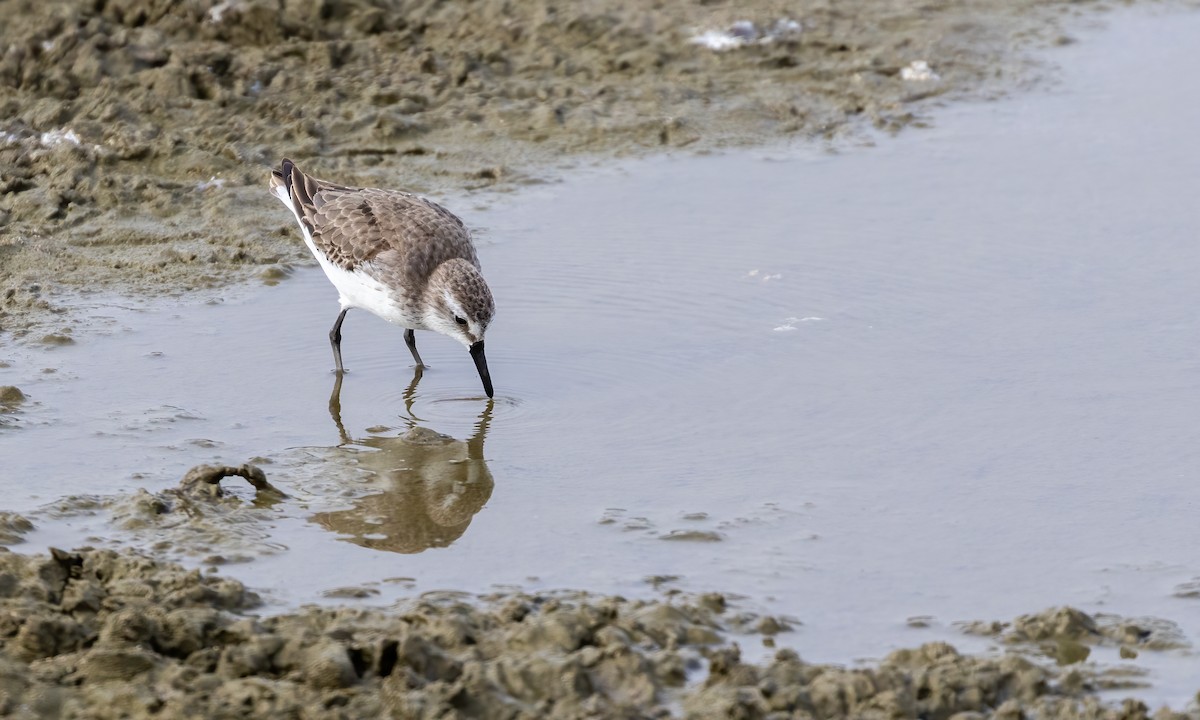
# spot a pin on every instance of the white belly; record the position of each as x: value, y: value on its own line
x: 357, y: 289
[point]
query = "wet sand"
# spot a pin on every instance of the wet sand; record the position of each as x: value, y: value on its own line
x: 120, y: 180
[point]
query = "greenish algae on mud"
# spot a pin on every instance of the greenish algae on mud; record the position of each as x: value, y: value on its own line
x: 136, y: 135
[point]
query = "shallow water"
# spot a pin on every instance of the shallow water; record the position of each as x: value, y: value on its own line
x: 955, y: 374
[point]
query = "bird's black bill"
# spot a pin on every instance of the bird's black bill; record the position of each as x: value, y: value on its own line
x: 481, y: 366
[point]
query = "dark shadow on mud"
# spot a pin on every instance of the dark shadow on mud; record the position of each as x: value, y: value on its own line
x: 435, y: 483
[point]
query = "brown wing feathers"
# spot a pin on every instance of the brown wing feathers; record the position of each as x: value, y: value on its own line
x: 355, y: 225
x: 348, y: 230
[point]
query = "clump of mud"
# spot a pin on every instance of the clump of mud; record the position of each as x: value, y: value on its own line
x: 13, y: 527
x: 1067, y: 634
x: 96, y: 634
x: 11, y: 401
x: 207, y: 478
x: 11, y: 397
x: 136, y: 135
x: 200, y: 519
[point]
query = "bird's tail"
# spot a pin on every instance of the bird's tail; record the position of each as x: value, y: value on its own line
x: 281, y: 181
x: 292, y: 187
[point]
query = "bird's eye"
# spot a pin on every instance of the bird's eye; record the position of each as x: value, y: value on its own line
x: 460, y: 321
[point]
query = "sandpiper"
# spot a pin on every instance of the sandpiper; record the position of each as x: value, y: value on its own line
x: 406, y: 259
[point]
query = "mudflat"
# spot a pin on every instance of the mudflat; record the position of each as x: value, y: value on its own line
x: 97, y: 634
x: 135, y: 134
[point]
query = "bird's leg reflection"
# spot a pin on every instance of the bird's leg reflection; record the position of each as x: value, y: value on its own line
x: 335, y: 404
x: 432, y: 484
x: 475, y: 444
x: 410, y: 395
x: 335, y: 408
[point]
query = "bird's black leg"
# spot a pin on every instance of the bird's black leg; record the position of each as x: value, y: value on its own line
x: 335, y: 339
x: 410, y: 339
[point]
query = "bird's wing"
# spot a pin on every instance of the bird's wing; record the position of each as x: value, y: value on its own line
x: 353, y: 226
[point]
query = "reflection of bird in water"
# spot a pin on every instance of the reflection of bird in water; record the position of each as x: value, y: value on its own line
x: 436, y: 484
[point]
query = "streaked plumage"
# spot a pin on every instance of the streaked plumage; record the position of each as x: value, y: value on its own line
x: 406, y: 259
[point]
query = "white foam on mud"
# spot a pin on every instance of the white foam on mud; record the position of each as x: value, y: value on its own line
x: 745, y: 32
x: 66, y: 136
x: 918, y: 71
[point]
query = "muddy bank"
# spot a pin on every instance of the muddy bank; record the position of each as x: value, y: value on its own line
x: 135, y: 135
x: 111, y: 633
x: 96, y: 634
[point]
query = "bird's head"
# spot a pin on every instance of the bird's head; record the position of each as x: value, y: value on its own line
x: 459, y: 304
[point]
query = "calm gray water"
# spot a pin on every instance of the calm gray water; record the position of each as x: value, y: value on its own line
x: 955, y: 374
